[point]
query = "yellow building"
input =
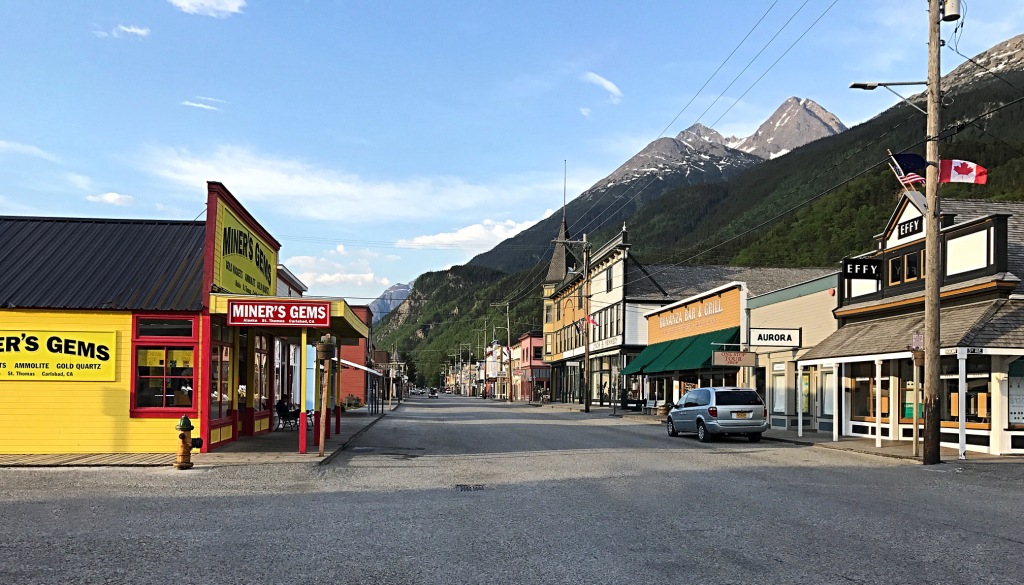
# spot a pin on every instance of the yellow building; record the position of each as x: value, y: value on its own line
x: 111, y: 330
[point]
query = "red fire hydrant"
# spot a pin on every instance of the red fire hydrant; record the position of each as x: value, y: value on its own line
x: 185, y: 444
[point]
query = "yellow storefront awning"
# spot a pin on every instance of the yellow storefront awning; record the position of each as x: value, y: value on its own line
x: 344, y: 323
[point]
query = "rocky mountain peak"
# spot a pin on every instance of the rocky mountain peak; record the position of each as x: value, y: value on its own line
x: 701, y: 131
x: 389, y: 300
x: 795, y: 123
x: 1006, y: 56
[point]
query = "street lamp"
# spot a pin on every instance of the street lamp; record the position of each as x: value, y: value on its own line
x: 938, y: 11
x: 870, y: 85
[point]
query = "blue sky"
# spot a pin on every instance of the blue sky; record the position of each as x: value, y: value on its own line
x: 381, y: 139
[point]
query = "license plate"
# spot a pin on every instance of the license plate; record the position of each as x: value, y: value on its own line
x: 741, y: 414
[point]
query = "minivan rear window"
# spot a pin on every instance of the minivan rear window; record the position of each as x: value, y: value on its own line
x: 737, y: 398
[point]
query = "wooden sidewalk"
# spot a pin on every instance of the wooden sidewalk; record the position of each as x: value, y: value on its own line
x: 89, y: 460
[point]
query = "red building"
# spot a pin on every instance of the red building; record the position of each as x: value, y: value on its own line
x: 354, y: 381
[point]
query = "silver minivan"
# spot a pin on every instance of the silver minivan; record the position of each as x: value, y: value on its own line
x: 719, y: 411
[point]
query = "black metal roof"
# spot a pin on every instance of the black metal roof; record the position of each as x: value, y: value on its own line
x: 76, y: 263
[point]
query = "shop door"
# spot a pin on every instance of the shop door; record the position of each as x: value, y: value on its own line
x: 808, y: 400
x: 826, y: 396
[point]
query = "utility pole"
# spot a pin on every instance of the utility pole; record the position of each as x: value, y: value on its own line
x: 586, y: 325
x: 586, y: 317
x: 483, y: 391
x: 933, y: 269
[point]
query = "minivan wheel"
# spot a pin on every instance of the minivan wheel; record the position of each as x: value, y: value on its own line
x: 702, y: 433
x: 672, y: 432
x: 754, y: 437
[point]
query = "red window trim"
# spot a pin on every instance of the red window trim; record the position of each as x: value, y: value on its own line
x: 164, y: 341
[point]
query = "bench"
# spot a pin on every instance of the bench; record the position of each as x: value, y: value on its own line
x: 633, y: 405
x: 651, y: 406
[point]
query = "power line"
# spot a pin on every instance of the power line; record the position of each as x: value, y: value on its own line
x: 776, y: 62
x: 697, y: 94
x: 637, y: 194
x: 751, y: 62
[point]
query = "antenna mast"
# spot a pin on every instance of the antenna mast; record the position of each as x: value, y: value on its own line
x: 565, y: 172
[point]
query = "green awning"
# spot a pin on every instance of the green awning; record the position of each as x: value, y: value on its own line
x: 649, y: 354
x: 693, y: 353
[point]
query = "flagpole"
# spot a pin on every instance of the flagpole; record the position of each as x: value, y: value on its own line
x: 902, y: 184
x: 892, y: 167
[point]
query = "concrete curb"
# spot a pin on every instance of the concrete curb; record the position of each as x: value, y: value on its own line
x: 345, y: 445
x: 837, y: 448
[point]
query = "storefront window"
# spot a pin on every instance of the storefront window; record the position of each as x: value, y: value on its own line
x: 906, y: 391
x: 220, y: 371
x: 261, y: 375
x: 863, y: 395
x: 148, y: 327
x: 779, y: 392
x: 164, y: 377
x: 828, y: 392
x: 164, y: 350
x: 979, y: 401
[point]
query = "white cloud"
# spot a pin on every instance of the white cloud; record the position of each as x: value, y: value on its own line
x: 614, y: 93
x: 132, y: 30
x: 325, y: 276
x: 199, y: 105
x: 112, y: 199
x: 339, y: 250
x: 480, y: 236
x: 80, y: 181
x: 27, y: 149
x: 585, y: 112
x: 122, y: 31
x: 299, y: 189
x: 214, y: 8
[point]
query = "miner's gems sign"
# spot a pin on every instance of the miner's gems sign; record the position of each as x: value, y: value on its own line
x: 74, y: 356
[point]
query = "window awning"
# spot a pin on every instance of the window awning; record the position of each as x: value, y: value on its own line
x: 645, y: 357
x: 688, y: 353
x: 349, y: 364
x: 694, y: 352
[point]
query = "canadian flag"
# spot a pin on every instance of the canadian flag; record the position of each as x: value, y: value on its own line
x: 962, y: 171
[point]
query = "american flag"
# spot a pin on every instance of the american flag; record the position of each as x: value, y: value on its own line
x: 911, y: 179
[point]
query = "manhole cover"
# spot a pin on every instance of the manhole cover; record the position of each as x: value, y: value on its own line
x: 465, y: 487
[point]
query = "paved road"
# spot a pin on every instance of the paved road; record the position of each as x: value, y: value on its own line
x: 554, y: 497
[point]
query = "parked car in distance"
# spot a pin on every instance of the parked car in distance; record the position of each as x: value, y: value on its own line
x: 719, y: 411
x: 433, y: 393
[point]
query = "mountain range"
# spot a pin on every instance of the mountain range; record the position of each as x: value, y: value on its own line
x: 697, y: 155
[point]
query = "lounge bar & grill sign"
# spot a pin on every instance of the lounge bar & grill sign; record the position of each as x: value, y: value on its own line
x: 279, y: 313
x: 49, y: 356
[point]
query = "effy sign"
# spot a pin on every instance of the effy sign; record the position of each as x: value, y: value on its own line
x: 279, y: 313
x: 864, y: 268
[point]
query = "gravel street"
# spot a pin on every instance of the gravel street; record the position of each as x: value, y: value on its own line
x: 549, y: 496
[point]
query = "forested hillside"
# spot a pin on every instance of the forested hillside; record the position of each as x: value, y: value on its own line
x: 810, y: 207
